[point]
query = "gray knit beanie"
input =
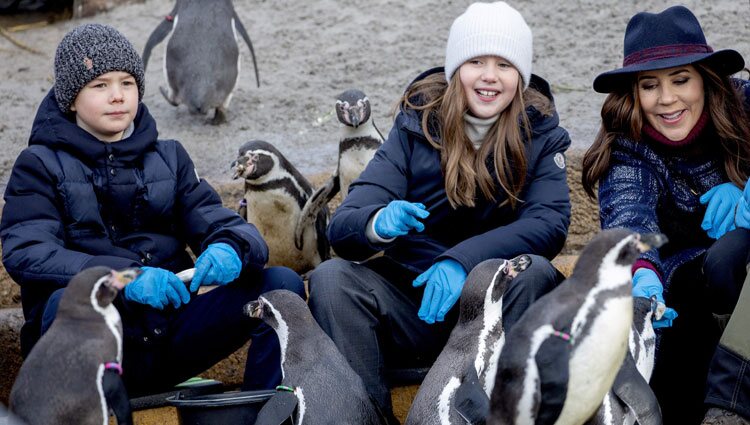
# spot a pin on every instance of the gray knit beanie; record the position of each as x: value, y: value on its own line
x: 87, y: 52
x: 494, y: 29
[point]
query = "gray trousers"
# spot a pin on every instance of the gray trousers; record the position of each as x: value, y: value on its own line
x: 370, y: 312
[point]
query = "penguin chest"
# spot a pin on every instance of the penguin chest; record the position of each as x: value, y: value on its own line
x: 351, y: 164
x: 275, y: 213
x: 596, y: 359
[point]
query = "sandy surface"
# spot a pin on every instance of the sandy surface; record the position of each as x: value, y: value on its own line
x: 309, y: 51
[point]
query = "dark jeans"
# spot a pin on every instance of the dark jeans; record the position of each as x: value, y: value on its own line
x: 370, y: 312
x: 699, y: 289
x: 163, y: 348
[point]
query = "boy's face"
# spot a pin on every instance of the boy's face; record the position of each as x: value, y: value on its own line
x: 107, y: 105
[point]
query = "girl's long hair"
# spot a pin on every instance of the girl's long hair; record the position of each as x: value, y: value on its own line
x: 443, y: 106
x: 622, y: 117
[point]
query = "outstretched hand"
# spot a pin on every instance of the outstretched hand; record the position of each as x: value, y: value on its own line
x: 443, y: 284
x: 400, y: 217
x: 647, y: 283
x: 219, y: 264
x: 719, y: 218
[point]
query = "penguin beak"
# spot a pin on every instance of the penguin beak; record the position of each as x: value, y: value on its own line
x: 254, y: 309
x: 651, y: 241
x: 123, y: 277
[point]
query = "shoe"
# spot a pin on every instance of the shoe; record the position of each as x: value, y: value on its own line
x: 719, y: 416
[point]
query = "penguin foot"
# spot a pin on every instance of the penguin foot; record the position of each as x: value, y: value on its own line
x: 220, y: 117
x: 167, y: 96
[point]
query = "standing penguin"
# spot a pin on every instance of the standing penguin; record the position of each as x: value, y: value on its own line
x: 72, y: 375
x: 563, y: 354
x: 318, y: 380
x: 275, y: 193
x: 631, y: 398
x: 359, y: 141
x: 202, y: 63
x: 473, y: 346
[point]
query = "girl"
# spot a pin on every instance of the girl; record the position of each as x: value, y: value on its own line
x: 472, y: 169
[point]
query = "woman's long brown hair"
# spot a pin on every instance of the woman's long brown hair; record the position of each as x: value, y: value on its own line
x: 621, y: 117
x: 443, y: 105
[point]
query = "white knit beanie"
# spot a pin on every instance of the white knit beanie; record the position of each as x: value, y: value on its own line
x: 490, y: 29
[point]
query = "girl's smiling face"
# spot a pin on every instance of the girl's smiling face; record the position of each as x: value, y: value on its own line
x: 490, y: 84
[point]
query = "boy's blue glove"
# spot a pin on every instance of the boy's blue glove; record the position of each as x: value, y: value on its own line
x: 219, y: 264
x: 645, y: 284
x: 742, y: 219
x: 444, y: 280
x: 157, y: 288
x: 398, y: 218
x: 722, y: 200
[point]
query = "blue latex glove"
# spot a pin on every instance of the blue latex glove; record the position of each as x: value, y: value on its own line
x: 722, y: 200
x: 742, y: 217
x: 645, y: 284
x: 219, y: 264
x: 157, y: 288
x: 444, y: 281
x: 398, y: 218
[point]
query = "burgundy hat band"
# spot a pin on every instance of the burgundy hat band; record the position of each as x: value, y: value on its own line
x: 663, y: 52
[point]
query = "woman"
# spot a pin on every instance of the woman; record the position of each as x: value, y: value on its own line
x: 473, y: 169
x: 672, y: 155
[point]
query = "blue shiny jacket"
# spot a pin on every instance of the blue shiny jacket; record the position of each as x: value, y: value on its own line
x: 74, y: 202
x: 648, y: 189
x: 407, y: 167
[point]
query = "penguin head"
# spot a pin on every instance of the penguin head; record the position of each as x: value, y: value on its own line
x: 486, y: 284
x: 615, y: 250
x: 256, y: 160
x: 353, y: 108
x: 95, y: 287
x: 277, y: 308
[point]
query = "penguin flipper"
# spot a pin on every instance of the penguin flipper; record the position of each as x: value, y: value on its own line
x: 633, y: 390
x: 315, y: 203
x: 243, y: 32
x: 277, y: 409
x: 117, y: 397
x: 156, y: 37
x: 552, y: 361
x: 470, y: 400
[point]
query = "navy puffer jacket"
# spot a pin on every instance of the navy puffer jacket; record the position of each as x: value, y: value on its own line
x: 74, y: 202
x: 407, y: 167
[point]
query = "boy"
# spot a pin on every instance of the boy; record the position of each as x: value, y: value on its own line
x: 96, y: 187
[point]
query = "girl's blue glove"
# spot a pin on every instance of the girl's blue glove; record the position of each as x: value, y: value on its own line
x: 219, y: 264
x: 742, y: 219
x: 157, y: 288
x: 444, y: 281
x: 398, y: 218
x: 645, y: 284
x: 722, y: 200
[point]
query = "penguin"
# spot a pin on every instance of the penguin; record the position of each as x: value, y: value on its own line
x: 201, y: 64
x: 471, y: 352
x: 72, y: 375
x: 358, y: 142
x: 318, y: 385
x: 275, y: 193
x: 563, y: 354
x: 631, y: 398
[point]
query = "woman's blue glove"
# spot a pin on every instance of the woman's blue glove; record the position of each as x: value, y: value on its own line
x: 444, y: 280
x: 157, y: 288
x: 219, y: 264
x: 645, y: 284
x: 722, y: 200
x: 398, y: 218
x: 742, y: 219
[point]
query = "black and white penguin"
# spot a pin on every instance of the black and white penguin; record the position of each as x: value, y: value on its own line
x: 473, y: 347
x: 358, y: 142
x: 202, y: 61
x: 325, y: 389
x: 631, y: 398
x: 275, y: 193
x: 72, y: 375
x: 562, y: 356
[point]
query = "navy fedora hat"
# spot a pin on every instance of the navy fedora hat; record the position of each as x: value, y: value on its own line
x: 665, y: 40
